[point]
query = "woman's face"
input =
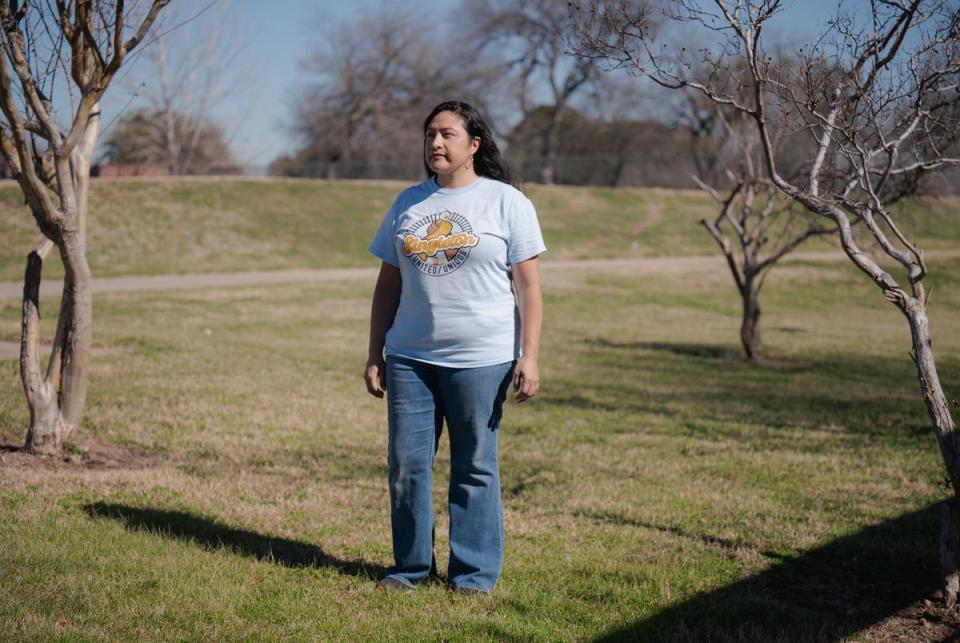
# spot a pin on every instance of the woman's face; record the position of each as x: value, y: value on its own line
x: 447, y: 146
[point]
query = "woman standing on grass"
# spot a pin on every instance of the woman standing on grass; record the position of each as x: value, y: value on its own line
x: 445, y: 315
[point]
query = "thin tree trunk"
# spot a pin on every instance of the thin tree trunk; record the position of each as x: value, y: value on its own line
x: 619, y: 169
x: 548, y: 173
x: 750, y: 335
x: 950, y: 550
x: 943, y: 424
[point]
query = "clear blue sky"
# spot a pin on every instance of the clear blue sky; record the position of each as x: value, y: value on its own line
x: 277, y: 35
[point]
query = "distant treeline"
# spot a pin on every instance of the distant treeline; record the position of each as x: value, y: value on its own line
x: 588, y: 152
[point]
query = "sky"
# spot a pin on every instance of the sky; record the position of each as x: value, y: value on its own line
x: 275, y: 37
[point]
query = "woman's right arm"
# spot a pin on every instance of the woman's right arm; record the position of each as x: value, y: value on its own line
x: 386, y: 299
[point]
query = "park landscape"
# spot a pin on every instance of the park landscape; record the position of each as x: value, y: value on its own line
x: 229, y: 479
x: 187, y: 450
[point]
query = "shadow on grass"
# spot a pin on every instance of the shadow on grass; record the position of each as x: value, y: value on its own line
x: 213, y: 535
x: 704, y: 385
x: 723, y: 544
x: 827, y: 593
x: 685, y: 349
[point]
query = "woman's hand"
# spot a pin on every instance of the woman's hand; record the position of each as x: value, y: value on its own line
x: 376, y: 376
x: 526, y: 379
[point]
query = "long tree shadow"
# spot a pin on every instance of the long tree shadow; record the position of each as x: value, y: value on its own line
x: 865, y: 395
x: 684, y: 349
x: 213, y: 535
x: 824, y: 594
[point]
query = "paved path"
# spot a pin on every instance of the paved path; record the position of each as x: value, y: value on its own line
x: 639, y: 265
x: 271, y: 277
x: 14, y: 289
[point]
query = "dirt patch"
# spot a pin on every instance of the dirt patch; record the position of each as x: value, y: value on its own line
x: 149, y: 283
x: 88, y: 455
x: 925, y: 620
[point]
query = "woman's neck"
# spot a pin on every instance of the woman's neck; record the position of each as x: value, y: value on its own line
x: 460, y: 178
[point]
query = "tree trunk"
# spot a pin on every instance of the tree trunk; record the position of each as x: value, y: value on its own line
x: 950, y: 550
x: 57, y: 401
x: 548, y: 173
x: 619, y: 169
x: 45, y: 429
x: 750, y: 336
x: 939, y: 410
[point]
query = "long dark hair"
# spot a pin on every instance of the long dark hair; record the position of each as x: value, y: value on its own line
x: 487, y: 160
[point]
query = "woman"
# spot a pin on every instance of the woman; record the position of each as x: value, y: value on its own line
x: 445, y: 315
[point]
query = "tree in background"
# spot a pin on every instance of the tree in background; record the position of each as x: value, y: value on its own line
x: 878, y: 98
x: 616, y: 152
x: 87, y: 42
x: 370, y: 87
x: 184, y: 76
x: 185, y: 145
x: 531, y: 37
x: 755, y: 227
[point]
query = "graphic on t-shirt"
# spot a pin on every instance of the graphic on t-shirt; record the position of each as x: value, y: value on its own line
x: 439, y: 243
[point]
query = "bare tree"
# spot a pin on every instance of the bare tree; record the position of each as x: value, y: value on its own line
x: 170, y: 138
x: 755, y: 227
x: 184, y: 76
x: 532, y: 37
x: 88, y: 41
x: 370, y: 85
x: 877, y: 96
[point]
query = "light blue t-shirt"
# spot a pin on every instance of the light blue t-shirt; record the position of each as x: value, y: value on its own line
x: 454, y: 248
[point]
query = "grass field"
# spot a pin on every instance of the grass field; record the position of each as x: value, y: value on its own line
x: 230, y: 480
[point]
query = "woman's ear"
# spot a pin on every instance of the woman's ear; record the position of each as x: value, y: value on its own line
x: 476, y: 143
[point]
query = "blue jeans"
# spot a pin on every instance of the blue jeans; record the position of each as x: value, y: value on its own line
x: 420, y: 396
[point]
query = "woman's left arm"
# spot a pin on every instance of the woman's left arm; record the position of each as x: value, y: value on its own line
x: 526, y: 376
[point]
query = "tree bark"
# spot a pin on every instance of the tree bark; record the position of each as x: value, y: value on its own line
x: 950, y: 551
x: 548, y: 151
x: 750, y: 335
x: 56, y: 402
x: 78, y: 338
x: 939, y: 409
x: 45, y: 426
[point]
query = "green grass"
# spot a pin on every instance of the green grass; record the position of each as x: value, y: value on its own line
x: 231, y: 480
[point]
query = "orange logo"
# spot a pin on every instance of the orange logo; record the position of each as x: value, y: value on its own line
x: 444, y: 245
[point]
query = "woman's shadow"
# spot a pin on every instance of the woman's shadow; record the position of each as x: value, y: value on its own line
x: 213, y: 535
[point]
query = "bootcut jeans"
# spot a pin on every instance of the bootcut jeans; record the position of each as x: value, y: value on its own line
x: 419, y: 397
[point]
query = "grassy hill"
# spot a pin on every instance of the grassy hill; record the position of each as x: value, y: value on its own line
x: 180, y: 225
